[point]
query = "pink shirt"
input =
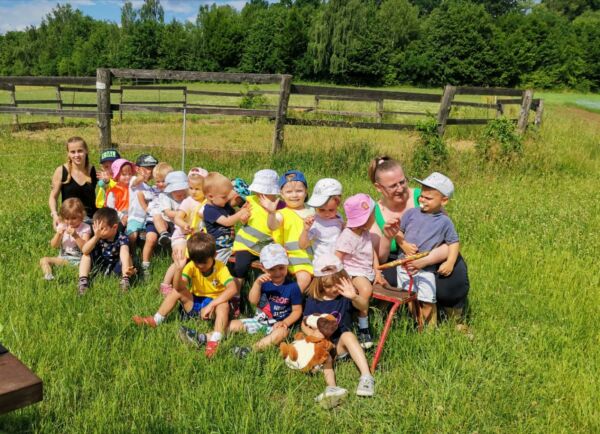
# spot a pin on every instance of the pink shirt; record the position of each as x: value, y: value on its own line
x: 358, y: 253
x: 68, y: 245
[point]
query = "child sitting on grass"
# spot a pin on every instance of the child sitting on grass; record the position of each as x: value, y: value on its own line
x: 105, y: 181
x: 203, y: 288
x: 284, y: 299
x: 168, y: 202
x: 117, y: 197
x: 140, y: 193
x: 332, y: 292
x: 71, y: 234
x: 107, y: 251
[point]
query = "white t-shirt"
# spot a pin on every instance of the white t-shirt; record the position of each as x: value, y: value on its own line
x: 166, y: 202
x: 323, y: 234
x: 136, y: 212
x: 358, y: 249
x: 153, y: 205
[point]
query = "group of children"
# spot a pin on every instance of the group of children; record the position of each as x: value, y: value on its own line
x: 312, y: 261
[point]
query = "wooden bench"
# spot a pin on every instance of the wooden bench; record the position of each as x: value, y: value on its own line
x: 19, y: 386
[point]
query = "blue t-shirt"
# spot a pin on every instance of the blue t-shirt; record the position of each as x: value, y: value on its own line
x: 281, y: 298
x: 340, y: 307
x: 427, y: 230
x: 223, y: 234
x: 106, y: 254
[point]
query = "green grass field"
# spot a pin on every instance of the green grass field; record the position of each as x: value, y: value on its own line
x: 529, y: 232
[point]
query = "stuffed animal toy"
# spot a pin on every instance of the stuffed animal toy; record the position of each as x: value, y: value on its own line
x: 309, y: 353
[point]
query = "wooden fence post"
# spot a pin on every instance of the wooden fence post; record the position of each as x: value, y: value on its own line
x: 13, y: 101
x: 121, y: 105
x: 539, y: 112
x: 59, y: 103
x: 103, y: 79
x: 525, y: 107
x: 284, y: 97
x: 380, y: 111
x: 445, y: 105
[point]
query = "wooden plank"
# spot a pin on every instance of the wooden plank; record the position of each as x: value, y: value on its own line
x: 497, y: 91
x: 339, y: 98
x: 467, y: 121
x: 225, y: 77
x: 149, y: 87
x: 201, y: 110
x: 380, y: 111
x: 343, y: 113
x: 47, y: 81
x: 7, y: 86
x: 153, y: 102
x: 284, y: 99
x: 524, y: 113
x: 214, y: 93
x: 539, y: 113
x: 263, y: 92
x: 13, y: 100
x: 387, y: 112
x: 104, y: 112
x: 212, y: 105
x: 19, y: 386
x: 37, y: 101
x: 59, y: 105
x: 79, y: 104
x: 474, y: 104
x: 49, y: 112
x: 344, y: 124
x: 445, y: 106
x: 509, y: 101
x: 364, y: 94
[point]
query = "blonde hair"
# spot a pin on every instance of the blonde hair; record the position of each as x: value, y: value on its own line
x: 317, y: 285
x: 383, y: 163
x: 161, y: 170
x: 72, y: 208
x: 77, y: 139
x: 214, y: 181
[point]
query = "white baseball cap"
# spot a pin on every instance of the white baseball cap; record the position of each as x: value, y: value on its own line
x: 324, y: 189
x: 438, y: 182
x: 326, y: 265
x: 272, y: 255
x: 265, y: 182
x: 176, y: 181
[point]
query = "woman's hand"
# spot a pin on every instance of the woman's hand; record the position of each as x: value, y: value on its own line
x: 391, y: 228
x: 413, y: 267
x: 379, y: 279
x: 409, y: 248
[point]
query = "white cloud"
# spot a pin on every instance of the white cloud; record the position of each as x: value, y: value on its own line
x: 17, y: 16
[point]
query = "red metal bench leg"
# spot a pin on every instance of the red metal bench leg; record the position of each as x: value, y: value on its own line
x: 383, y: 337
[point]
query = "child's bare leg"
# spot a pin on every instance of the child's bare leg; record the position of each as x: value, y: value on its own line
x: 236, y: 326
x: 133, y: 239
x: 427, y: 311
x: 365, y: 289
x: 328, y: 372
x: 348, y: 343
x: 160, y: 224
x: 274, y: 338
x: 47, y: 262
x: 221, y: 318
x: 126, y: 263
x: 303, y: 278
x: 149, y: 246
x: 85, y: 265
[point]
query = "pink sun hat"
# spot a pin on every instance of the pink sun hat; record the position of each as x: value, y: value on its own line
x: 118, y: 164
x: 358, y: 208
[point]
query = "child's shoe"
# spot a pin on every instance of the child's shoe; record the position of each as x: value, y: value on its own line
x: 366, y: 386
x: 164, y: 240
x: 211, y: 349
x: 48, y: 277
x: 241, y: 352
x: 191, y: 337
x: 365, y: 339
x: 332, y: 397
x: 146, y: 270
x: 165, y: 289
x: 124, y: 284
x: 144, y: 320
x: 83, y: 286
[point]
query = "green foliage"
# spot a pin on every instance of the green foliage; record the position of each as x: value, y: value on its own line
x: 252, y: 100
x: 431, y: 150
x: 500, y: 141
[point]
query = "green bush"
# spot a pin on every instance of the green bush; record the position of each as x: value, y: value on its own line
x: 431, y: 150
x: 252, y: 100
x: 500, y: 141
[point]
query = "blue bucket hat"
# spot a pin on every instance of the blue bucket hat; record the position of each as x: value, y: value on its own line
x: 290, y: 176
x: 241, y: 188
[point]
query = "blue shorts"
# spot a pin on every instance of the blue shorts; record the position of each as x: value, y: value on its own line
x: 134, y: 226
x: 199, y: 304
x: 151, y: 228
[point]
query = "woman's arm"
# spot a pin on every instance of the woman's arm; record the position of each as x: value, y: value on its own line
x: 54, y: 192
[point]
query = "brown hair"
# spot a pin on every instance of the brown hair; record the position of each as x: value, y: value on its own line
x: 72, y: 208
x: 315, y: 289
x: 161, y: 170
x: 379, y: 164
x: 108, y: 216
x: 215, y: 180
x: 77, y: 139
x: 201, y: 247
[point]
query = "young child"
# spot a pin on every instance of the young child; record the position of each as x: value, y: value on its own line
x: 289, y: 222
x: 332, y: 292
x: 71, y: 234
x: 117, y: 197
x: 175, y: 191
x: 322, y: 230
x: 219, y: 216
x: 159, y: 173
x: 140, y: 193
x: 105, y: 181
x: 355, y: 249
x: 107, y: 251
x: 424, y: 229
x: 255, y: 234
x: 203, y: 289
x: 284, y: 302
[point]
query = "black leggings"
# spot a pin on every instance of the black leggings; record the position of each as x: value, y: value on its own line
x: 243, y: 263
x: 451, y: 291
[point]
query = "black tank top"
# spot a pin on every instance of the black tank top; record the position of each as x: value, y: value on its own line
x: 86, y: 192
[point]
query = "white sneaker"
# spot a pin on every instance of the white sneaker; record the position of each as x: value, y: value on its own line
x: 332, y: 397
x: 48, y: 277
x: 366, y: 386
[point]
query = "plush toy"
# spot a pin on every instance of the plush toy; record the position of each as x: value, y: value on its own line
x: 309, y: 353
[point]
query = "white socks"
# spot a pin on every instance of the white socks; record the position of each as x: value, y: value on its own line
x: 215, y: 336
x: 158, y: 318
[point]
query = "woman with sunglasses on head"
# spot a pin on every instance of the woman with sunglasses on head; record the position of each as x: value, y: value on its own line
x: 396, y: 197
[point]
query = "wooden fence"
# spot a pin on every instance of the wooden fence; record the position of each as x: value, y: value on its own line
x: 282, y: 112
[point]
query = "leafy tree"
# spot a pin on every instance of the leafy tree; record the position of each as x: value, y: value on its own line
x: 220, y: 41
x: 587, y: 29
x: 572, y: 8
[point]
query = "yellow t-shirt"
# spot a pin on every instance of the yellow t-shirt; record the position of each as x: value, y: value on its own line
x: 207, y: 286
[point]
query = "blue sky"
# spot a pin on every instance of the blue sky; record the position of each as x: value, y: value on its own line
x: 18, y: 14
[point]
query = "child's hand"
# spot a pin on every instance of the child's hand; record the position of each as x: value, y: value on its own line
x: 263, y: 278
x: 379, y: 279
x: 208, y: 310
x: 129, y: 271
x: 124, y: 220
x: 60, y: 228
x: 347, y: 289
x: 445, y: 268
x: 280, y: 325
x: 308, y: 222
x: 187, y: 229
x: 103, y: 175
x: 409, y: 248
x: 71, y: 231
x: 391, y: 228
x: 413, y: 267
x: 179, y: 258
x: 97, y: 227
x: 244, y: 215
x: 270, y: 206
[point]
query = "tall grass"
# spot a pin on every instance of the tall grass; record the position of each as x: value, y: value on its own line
x: 529, y: 233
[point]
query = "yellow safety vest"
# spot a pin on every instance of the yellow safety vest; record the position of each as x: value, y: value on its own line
x: 256, y: 234
x: 288, y: 236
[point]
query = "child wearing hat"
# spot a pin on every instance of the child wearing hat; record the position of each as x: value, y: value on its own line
x: 117, y: 197
x: 140, y: 194
x: 424, y: 229
x: 176, y: 186
x: 322, y: 230
x: 355, y: 250
x: 289, y: 224
x: 105, y: 181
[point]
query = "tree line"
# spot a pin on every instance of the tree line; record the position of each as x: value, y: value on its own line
x: 547, y: 44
